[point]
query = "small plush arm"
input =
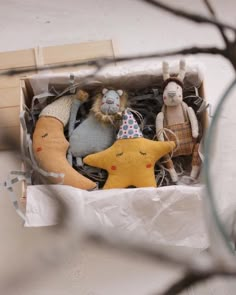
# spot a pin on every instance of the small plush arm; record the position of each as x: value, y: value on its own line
x: 159, y: 126
x: 193, y: 122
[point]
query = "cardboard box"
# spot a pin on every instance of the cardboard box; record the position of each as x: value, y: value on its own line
x: 136, y: 78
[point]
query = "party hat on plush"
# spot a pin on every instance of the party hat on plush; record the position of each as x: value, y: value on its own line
x: 129, y: 127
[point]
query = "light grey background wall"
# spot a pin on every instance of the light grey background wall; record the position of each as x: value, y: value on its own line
x: 134, y: 28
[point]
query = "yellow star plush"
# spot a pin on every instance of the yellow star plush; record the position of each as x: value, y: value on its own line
x: 130, y: 161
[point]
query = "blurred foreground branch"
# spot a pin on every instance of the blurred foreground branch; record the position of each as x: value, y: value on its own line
x: 196, y: 269
x: 101, y: 63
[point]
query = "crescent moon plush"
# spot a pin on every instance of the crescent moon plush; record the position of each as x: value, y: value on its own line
x: 50, y: 145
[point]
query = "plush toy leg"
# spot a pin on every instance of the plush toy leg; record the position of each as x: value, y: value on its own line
x: 170, y: 166
x: 79, y: 162
x: 50, y: 147
x: 196, y: 162
x: 195, y: 172
x: 116, y: 181
x: 121, y: 181
x: 69, y: 157
x: 173, y: 175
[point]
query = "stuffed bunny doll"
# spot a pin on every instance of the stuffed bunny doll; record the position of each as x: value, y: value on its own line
x: 181, y: 121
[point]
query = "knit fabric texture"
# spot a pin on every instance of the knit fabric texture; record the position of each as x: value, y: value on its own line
x: 91, y: 136
x: 59, y: 109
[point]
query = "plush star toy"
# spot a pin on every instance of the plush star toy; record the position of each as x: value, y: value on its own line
x: 131, y: 159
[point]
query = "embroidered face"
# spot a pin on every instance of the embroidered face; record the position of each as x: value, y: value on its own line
x: 111, y: 101
x: 130, y: 153
x: 130, y: 162
x: 173, y: 94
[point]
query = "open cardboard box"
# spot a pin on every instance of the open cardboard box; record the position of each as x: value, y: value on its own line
x: 130, y: 78
x: 148, y: 210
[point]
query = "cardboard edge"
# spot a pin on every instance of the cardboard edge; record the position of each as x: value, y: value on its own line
x: 22, y: 102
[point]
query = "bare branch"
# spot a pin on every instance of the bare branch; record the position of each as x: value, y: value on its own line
x: 196, y: 269
x: 210, y: 7
x: 153, y: 252
x: 193, y: 278
x: 190, y: 16
x: 103, y: 62
x: 212, y: 11
x: 189, y: 279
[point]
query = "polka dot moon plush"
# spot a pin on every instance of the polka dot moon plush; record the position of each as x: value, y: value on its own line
x: 131, y: 159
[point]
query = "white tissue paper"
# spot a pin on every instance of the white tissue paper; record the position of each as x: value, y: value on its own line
x: 169, y: 215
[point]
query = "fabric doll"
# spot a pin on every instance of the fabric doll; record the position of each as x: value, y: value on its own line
x: 98, y: 131
x: 181, y: 121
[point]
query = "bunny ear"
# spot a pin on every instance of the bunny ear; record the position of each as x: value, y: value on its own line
x: 165, y: 70
x: 120, y: 92
x: 182, y: 69
x: 104, y: 90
